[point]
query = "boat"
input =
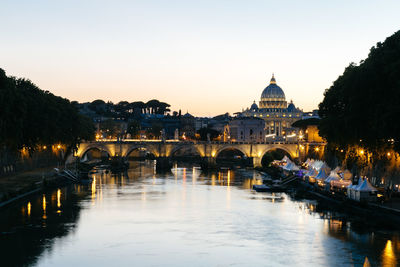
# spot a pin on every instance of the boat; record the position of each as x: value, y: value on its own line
x: 261, y: 188
x: 266, y: 188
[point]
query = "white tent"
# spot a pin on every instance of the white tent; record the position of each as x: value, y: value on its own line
x: 363, y: 192
x: 285, y: 159
x: 350, y: 189
x: 366, y: 187
x: 291, y: 167
x: 333, y: 176
x: 310, y: 175
x: 322, y: 175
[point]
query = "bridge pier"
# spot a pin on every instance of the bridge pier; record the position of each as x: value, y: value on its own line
x: 257, y: 162
x: 208, y: 163
x: 163, y: 164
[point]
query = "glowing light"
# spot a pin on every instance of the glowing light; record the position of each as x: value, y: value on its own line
x: 29, y: 208
x: 388, y: 256
x: 361, y: 152
x: 44, y: 147
x: 59, y: 198
x: 59, y: 146
x: 44, y: 207
x: 317, y: 149
x: 388, y: 154
x: 213, y: 154
x: 94, y: 188
x: 341, y: 150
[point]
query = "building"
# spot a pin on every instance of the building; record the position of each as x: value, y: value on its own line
x: 275, y: 111
x: 246, y: 129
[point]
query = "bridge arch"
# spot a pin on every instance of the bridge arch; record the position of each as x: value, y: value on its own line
x: 292, y: 154
x: 230, y: 147
x: 99, y: 147
x: 186, y: 147
x: 148, y: 149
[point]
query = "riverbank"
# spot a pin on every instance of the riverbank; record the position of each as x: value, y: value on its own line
x: 15, y: 187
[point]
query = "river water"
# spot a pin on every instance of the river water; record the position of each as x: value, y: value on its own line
x: 184, y: 218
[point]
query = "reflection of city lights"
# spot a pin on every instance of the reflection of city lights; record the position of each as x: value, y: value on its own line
x: 29, y: 208
x: 94, y: 188
x: 388, y: 256
x: 44, y: 207
x: 59, y: 198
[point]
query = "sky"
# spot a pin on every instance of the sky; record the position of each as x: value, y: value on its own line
x: 204, y: 57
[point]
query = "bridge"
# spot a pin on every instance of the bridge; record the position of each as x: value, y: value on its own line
x: 208, y: 151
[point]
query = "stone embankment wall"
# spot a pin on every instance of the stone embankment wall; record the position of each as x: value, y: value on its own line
x: 14, y: 162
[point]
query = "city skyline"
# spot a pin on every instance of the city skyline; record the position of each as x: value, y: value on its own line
x: 206, y: 58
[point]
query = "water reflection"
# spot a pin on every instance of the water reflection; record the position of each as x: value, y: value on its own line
x: 388, y: 256
x: 213, y: 218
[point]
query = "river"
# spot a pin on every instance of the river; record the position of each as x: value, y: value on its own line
x: 184, y: 218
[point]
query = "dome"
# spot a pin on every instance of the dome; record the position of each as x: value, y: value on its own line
x: 291, y: 107
x: 273, y: 91
x: 254, y: 106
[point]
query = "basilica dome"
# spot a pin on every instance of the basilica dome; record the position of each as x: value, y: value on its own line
x: 273, y: 91
x: 273, y: 96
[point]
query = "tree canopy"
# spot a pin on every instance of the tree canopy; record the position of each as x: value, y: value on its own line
x: 304, y: 123
x: 30, y: 116
x: 363, y: 105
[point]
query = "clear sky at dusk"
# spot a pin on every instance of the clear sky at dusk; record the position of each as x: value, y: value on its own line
x: 207, y: 57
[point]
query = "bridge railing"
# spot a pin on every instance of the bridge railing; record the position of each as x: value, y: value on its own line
x: 141, y: 141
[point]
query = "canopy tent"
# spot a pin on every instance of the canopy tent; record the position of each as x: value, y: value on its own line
x: 322, y: 175
x: 365, y: 187
x: 333, y: 176
x: 291, y: 167
x: 363, y: 192
x: 311, y: 172
x: 285, y: 159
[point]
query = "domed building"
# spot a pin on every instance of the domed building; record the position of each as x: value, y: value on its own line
x: 275, y: 111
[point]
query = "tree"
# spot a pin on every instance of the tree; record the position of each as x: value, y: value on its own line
x: 362, y: 106
x: 155, y: 130
x: 203, y: 132
x: 133, y: 128
x: 110, y: 127
x: 32, y: 117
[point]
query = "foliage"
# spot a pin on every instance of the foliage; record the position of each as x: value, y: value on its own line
x: 110, y: 127
x: 304, y: 123
x: 362, y: 106
x: 125, y: 110
x: 203, y: 132
x: 133, y: 128
x: 155, y: 130
x: 30, y: 116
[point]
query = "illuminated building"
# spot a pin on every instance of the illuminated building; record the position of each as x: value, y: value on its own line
x: 275, y: 111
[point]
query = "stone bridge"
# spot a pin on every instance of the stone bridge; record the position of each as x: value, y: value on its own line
x: 206, y: 150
